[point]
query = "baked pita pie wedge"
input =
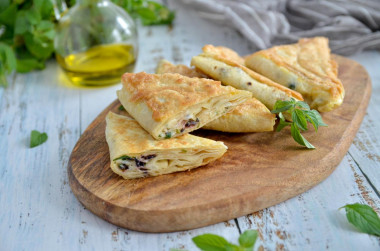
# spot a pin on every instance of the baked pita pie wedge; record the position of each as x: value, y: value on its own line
x: 250, y: 116
x: 135, y: 153
x: 224, y: 52
x: 306, y: 67
x: 165, y: 66
x: 229, y: 72
x: 169, y: 105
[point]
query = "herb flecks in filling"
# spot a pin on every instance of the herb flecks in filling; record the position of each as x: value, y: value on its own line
x: 191, y: 123
x: 124, y: 157
x: 126, y: 162
x: 148, y: 157
x: 123, y: 167
x: 168, y: 135
x: 292, y: 86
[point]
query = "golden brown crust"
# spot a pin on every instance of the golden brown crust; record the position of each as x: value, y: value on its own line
x: 310, y: 59
x: 164, y: 94
x: 165, y: 66
x: 224, y: 52
x: 125, y: 136
x: 256, y: 76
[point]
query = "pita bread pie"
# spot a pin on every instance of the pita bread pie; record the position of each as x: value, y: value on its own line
x: 135, y: 153
x: 224, y: 52
x: 231, y: 73
x: 165, y: 66
x: 169, y: 105
x: 306, y: 67
x: 250, y: 116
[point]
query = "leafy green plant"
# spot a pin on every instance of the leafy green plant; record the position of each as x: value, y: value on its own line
x: 363, y: 217
x: 212, y: 242
x: 26, y: 35
x: 301, y: 115
x: 27, y: 30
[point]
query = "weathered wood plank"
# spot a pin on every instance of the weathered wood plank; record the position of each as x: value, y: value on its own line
x: 365, y: 149
x: 35, y: 195
x: 312, y: 221
x: 39, y: 212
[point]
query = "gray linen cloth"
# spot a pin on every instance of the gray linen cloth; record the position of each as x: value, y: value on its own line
x: 350, y: 25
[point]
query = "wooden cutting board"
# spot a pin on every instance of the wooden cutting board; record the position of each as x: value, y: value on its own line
x: 259, y: 170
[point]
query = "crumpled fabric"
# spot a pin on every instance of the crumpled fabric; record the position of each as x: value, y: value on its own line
x: 350, y: 25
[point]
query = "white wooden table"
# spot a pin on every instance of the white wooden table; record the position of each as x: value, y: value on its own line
x: 39, y: 212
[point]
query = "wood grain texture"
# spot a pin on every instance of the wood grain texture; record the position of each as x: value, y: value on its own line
x: 258, y: 171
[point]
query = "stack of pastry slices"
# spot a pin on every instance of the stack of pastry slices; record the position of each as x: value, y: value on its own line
x: 224, y: 92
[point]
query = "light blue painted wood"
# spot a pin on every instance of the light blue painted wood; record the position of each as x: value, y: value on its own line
x: 311, y: 221
x: 366, y: 146
x: 39, y: 212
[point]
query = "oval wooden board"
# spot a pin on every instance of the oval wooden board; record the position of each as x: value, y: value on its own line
x: 259, y: 170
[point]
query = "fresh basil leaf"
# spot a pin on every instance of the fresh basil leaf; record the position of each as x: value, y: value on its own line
x: 363, y: 217
x: 248, y: 238
x: 121, y: 108
x: 310, y: 116
x: 7, y: 57
x: 4, y: 5
x: 210, y: 242
x: 232, y: 247
x: 29, y: 64
x: 298, y: 117
x: 22, y: 24
x: 33, y: 16
x: 39, y: 48
x: 303, y: 105
x: 319, y: 118
x: 37, y: 138
x: 298, y: 137
x: 282, y: 108
x: 8, y: 16
x: 282, y: 122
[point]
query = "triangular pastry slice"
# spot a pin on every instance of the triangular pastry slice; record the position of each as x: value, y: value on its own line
x: 306, y: 67
x: 250, y: 116
x: 224, y: 52
x: 165, y: 66
x: 135, y: 153
x: 169, y: 105
x: 230, y: 72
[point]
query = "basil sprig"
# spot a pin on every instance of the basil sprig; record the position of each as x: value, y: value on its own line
x: 301, y: 115
x: 212, y: 242
x: 363, y: 217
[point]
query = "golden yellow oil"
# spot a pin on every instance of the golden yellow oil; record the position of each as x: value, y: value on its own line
x: 100, y: 65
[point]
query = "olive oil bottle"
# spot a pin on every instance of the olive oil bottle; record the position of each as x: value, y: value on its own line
x: 99, y: 65
x: 96, y: 43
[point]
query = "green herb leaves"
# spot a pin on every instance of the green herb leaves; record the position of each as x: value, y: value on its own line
x: 149, y: 12
x: 124, y: 157
x: 363, y: 217
x: 248, y: 239
x: 27, y: 30
x: 37, y: 138
x: 301, y: 115
x: 26, y: 36
x: 212, y: 242
x: 7, y: 62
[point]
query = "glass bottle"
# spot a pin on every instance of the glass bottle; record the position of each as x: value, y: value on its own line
x: 96, y: 43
